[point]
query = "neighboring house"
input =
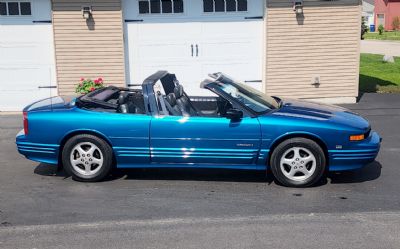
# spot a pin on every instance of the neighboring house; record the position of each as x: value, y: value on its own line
x: 385, y: 11
x: 263, y: 43
x: 368, y: 7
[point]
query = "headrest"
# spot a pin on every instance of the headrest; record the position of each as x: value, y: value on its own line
x: 123, y: 97
x: 171, y: 99
x: 178, y: 90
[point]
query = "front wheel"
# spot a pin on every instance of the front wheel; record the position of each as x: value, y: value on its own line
x: 298, y: 162
x: 87, y: 158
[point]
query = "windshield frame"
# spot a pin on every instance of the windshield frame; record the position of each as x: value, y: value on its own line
x: 225, y: 80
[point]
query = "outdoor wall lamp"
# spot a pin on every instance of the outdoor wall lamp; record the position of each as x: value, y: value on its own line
x: 86, y: 12
x: 298, y: 7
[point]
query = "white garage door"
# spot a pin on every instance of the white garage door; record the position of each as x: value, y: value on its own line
x: 27, y: 66
x: 193, y: 39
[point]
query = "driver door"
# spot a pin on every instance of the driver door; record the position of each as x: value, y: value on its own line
x: 204, y: 140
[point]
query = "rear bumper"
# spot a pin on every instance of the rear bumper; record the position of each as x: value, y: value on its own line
x: 359, y: 155
x: 45, y: 153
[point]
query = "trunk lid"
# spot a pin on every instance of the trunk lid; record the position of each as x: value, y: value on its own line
x: 53, y: 103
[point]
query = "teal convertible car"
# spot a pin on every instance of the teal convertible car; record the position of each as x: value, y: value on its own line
x: 158, y: 125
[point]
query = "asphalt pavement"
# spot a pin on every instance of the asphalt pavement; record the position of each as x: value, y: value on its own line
x: 197, y: 208
x: 381, y: 47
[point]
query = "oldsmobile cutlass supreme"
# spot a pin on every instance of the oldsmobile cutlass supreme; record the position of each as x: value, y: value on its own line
x: 159, y: 125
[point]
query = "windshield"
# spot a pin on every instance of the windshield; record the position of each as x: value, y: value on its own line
x: 248, y: 96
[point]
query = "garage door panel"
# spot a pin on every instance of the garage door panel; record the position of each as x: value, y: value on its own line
x: 194, y: 44
x: 163, y: 52
x: 27, y: 58
x: 25, y: 78
x: 246, y: 71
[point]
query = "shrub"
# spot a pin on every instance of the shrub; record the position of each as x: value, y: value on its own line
x: 381, y: 29
x: 88, y: 85
x: 396, y: 23
x: 364, y: 28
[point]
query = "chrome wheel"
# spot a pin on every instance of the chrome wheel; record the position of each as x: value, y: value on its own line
x: 86, y: 158
x: 298, y: 163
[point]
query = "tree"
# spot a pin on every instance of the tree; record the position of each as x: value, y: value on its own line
x: 364, y: 28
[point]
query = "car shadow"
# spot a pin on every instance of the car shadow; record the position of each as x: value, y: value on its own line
x: 369, y: 173
x: 45, y: 169
x: 182, y: 174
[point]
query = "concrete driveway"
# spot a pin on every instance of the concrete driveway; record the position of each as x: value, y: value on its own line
x: 41, y: 208
x: 380, y: 47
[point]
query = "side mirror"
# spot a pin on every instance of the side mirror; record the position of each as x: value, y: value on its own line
x: 234, y: 114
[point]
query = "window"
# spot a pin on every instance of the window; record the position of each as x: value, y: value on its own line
x: 160, y: 6
x: 15, y: 8
x: 224, y: 5
x: 381, y: 19
x: 3, y: 9
x: 25, y: 8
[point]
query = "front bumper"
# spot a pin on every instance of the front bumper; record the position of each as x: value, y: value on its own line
x: 45, y: 153
x: 357, y: 156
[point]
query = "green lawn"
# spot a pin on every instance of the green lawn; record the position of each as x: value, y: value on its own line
x: 377, y: 76
x: 390, y: 35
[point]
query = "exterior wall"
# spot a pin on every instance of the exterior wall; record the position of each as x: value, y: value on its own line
x: 390, y: 8
x: 323, y: 43
x: 368, y: 12
x: 88, y: 49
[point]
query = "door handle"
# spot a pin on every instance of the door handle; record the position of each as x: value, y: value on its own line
x: 192, y: 49
x: 197, y: 50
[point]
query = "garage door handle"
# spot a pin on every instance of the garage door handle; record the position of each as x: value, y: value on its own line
x: 40, y: 87
x: 197, y: 50
x: 192, y: 49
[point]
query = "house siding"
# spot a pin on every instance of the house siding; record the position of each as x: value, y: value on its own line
x: 90, y: 50
x: 325, y: 44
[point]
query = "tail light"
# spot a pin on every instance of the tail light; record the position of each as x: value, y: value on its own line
x: 25, y: 115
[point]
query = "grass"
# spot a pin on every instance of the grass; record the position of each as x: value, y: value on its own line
x: 378, y: 76
x: 387, y: 35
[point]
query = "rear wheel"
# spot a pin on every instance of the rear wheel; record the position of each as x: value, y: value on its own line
x: 298, y: 162
x: 87, y: 158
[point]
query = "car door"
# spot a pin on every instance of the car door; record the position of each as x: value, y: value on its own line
x: 204, y: 140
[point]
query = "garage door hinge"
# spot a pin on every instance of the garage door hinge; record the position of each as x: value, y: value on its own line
x: 254, y: 17
x: 40, y: 87
x: 133, y: 20
x: 42, y: 21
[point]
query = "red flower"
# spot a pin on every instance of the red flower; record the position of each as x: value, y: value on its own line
x: 96, y: 82
x: 92, y: 89
x: 82, y: 79
x: 100, y: 80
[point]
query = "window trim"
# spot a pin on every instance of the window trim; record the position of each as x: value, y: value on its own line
x: 7, y: 15
x: 161, y: 9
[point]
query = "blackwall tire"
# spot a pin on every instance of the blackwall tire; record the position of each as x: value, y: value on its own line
x: 298, y: 162
x: 87, y: 158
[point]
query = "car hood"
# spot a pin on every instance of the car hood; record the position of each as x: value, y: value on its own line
x: 321, y: 112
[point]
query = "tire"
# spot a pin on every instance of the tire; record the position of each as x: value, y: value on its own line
x: 87, y: 158
x: 298, y: 162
